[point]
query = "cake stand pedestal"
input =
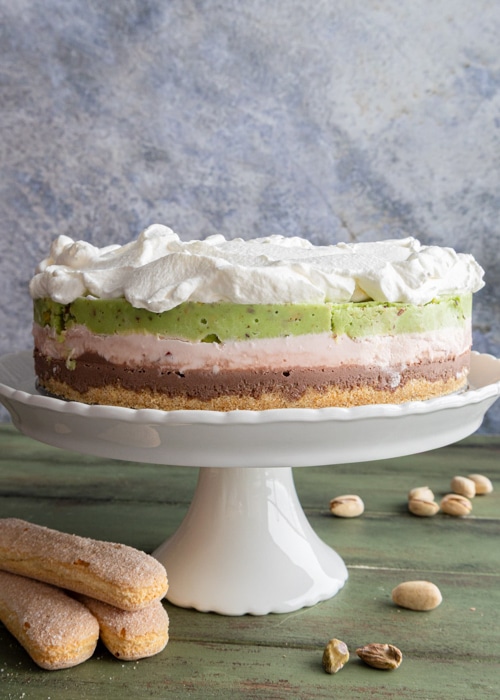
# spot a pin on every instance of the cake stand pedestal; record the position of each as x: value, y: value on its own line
x: 245, y: 545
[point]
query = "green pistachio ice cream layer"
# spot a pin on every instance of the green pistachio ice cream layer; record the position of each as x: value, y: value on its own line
x: 222, y: 321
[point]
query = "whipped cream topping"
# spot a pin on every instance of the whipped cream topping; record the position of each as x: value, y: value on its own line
x: 158, y: 271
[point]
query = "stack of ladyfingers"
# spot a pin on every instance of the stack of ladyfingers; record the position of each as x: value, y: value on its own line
x: 59, y: 593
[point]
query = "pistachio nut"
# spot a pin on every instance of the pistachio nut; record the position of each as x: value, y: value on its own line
x: 384, y: 656
x: 464, y: 486
x: 483, y: 484
x: 455, y: 504
x: 335, y: 656
x: 417, y: 595
x: 424, y: 507
x: 421, y: 492
x: 348, y: 506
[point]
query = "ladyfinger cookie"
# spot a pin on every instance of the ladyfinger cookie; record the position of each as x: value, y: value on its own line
x: 130, y: 635
x: 56, y: 630
x: 114, y: 573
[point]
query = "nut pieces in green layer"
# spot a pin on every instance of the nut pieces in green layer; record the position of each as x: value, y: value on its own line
x: 195, y: 321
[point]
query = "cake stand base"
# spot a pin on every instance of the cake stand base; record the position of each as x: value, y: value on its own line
x: 246, y: 546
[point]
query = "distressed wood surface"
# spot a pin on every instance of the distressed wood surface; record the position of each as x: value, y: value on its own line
x: 451, y: 652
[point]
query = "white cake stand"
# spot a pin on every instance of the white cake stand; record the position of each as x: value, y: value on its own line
x: 245, y: 545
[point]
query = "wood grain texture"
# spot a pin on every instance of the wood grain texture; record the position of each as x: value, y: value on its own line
x: 451, y: 651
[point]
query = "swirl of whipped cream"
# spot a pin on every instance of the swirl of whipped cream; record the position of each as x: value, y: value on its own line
x: 158, y: 271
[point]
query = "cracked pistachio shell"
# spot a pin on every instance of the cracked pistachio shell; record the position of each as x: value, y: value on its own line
x: 455, y: 504
x: 423, y: 507
x: 347, y: 506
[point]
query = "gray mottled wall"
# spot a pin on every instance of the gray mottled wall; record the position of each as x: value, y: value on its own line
x: 332, y: 119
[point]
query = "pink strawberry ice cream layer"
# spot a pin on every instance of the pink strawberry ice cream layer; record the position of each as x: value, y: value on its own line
x: 319, y: 350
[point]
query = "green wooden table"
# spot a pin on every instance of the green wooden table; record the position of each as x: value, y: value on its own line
x: 451, y: 652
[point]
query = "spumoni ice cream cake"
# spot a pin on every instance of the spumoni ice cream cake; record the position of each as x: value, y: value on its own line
x: 257, y: 324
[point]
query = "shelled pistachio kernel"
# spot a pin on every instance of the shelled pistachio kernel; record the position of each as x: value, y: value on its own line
x: 417, y: 595
x: 463, y: 486
x: 347, y: 506
x: 335, y: 655
x: 483, y: 484
x: 455, y: 504
x: 421, y: 492
x: 423, y: 507
x: 384, y: 656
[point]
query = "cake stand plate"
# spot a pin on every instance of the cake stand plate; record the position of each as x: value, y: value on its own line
x: 245, y: 545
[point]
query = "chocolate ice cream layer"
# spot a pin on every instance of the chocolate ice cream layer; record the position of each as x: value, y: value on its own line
x: 91, y: 371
